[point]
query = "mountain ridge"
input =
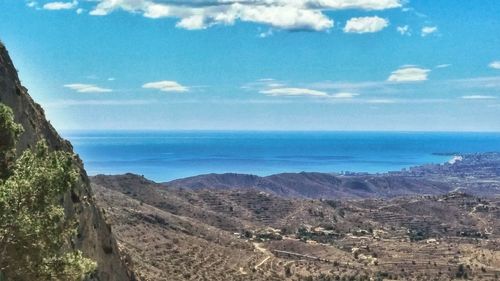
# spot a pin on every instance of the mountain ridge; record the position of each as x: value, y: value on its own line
x: 431, y: 179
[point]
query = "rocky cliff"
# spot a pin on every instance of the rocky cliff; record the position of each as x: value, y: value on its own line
x: 94, y: 237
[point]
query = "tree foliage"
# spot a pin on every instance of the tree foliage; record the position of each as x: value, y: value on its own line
x: 35, y: 233
x: 9, y: 133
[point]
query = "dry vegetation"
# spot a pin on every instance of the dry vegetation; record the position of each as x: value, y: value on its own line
x: 176, y: 234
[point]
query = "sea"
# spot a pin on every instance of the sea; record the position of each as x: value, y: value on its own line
x: 167, y: 155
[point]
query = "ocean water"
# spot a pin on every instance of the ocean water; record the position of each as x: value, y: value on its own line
x: 164, y: 156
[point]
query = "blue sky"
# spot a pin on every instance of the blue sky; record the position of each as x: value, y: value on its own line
x: 260, y: 64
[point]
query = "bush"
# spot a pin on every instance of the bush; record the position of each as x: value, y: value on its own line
x: 461, y: 272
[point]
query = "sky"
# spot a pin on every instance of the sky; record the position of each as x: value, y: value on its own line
x: 388, y: 65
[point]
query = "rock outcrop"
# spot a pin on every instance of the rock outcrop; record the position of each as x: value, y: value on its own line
x: 94, y: 237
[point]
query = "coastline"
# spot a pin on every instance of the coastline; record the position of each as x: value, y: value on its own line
x: 164, y: 156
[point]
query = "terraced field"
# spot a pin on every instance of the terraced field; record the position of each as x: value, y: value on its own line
x: 178, y: 234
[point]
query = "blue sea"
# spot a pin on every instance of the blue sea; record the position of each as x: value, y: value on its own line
x: 164, y: 156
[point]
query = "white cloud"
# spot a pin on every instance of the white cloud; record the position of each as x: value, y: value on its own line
x: 80, y: 11
x: 478, y: 97
x: 293, y: 92
x: 409, y: 74
x: 166, y: 86
x: 495, y: 65
x: 344, y: 95
x: 365, y: 25
x: 87, y: 88
x: 267, y: 33
x: 32, y: 4
x: 60, y: 5
x: 275, y: 85
x: 443, y: 65
x: 352, y: 4
x: 428, y: 30
x: 281, y: 14
x: 193, y: 22
x: 404, y: 30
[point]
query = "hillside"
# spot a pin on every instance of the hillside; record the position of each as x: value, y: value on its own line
x: 474, y: 173
x: 316, y: 185
x: 94, y: 235
x: 248, y: 234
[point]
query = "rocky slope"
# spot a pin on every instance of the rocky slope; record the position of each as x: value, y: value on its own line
x: 94, y: 236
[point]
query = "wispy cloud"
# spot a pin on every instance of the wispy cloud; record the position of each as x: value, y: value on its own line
x: 267, y: 33
x: 495, y: 64
x: 32, y: 4
x: 350, y: 86
x: 478, y: 97
x: 87, y: 88
x: 263, y: 84
x: 60, y: 5
x: 338, y: 87
x: 95, y: 102
x: 385, y: 101
x: 274, y: 88
x: 281, y: 14
x: 344, y: 95
x: 409, y: 74
x: 485, y: 83
x: 404, y: 30
x: 293, y: 92
x: 166, y: 86
x: 365, y: 25
x: 428, y: 30
x: 385, y: 92
x: 381, y: 101
x: 443, y: 65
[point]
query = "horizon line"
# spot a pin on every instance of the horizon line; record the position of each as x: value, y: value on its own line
x: 275, y: 131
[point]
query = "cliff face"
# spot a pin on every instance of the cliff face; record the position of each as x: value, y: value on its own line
x: 94, y: 236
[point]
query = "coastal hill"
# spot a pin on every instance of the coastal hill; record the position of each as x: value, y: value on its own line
x: 472, y: 173
x: 94, y: 237
x: 312, y: 226
x: 174, y: 233
x: 316, y: 185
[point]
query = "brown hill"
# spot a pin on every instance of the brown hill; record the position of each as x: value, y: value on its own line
x: 475, y: 173
x: 317, y: 185
x: 247, y: 234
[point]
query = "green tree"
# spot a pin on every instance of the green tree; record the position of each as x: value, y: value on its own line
x: 35, y: 233
x: 9, y: 133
